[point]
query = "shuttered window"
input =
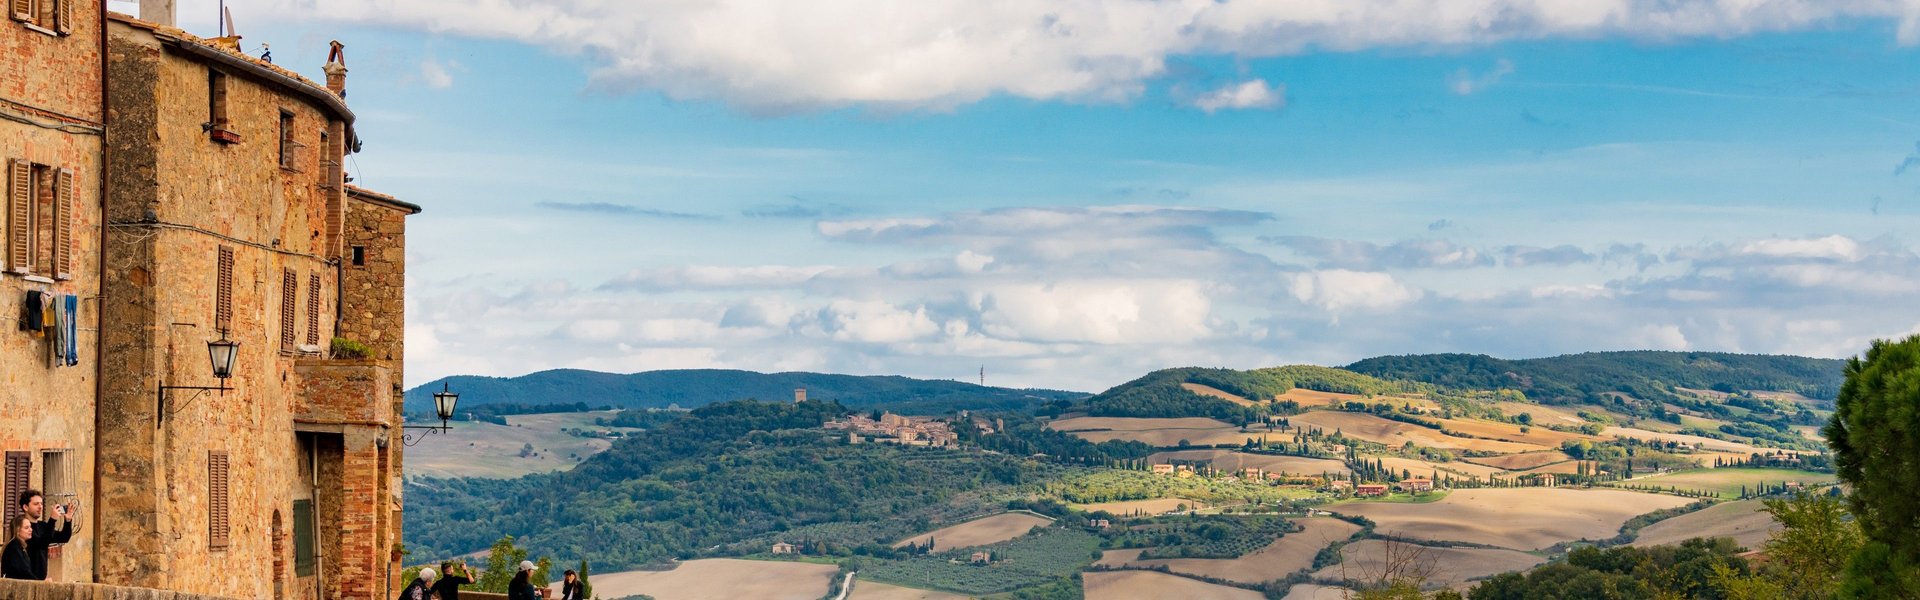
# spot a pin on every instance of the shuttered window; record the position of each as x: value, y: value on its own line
x: 68, y: 16
x: 19, y: 473
x: 63, y: 225
x: 218, y: 524
x: 22, y: 10
x: 20, y: 217
x: 56, y: 476
x: 53, y: 16
x: 223, y: 291
x: 289, y: 302
x: 313, y: 309
x: 303, y: 551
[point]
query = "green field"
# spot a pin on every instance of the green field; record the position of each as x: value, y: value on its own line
x: 1400, y: 498
x: 1728, y: 482
x: 1035, y: 559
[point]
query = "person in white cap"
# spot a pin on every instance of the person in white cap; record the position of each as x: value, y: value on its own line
x: 422, y: 586
x: 522, y: 586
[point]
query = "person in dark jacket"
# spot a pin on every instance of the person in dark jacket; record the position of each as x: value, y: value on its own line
x: 13, y: 558
x: 571, y: 588
x: 452, y: 576
x: 422, y: 586
x: 46, y: 532
x: 522, y: 586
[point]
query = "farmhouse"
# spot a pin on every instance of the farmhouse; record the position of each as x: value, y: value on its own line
x: 980, y: 558
x: 1370, y: 489
x: 784, y: 548
x: 1339, y: 485
x: 1163, y: 469
x: 1418, y: 484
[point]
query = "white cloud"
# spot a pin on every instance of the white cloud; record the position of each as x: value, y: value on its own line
x: 1464, y: 82
x: 778, y: 55
x: 437, y: 75
x: 1836, y: 247
x: 703, y: 277
x: 1098, y: 312
x: 1254, y: 93
x: 876, y: 322
x: 1340, y: 290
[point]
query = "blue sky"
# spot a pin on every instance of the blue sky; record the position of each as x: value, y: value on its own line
x: 1074, y: 193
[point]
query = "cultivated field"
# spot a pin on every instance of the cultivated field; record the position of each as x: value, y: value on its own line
x: 1214, y: 392
x: 1511, y: 432
x: 1542, y: 414
x: 1563, y: 468
x: 1421, y: 467
x: 1706, y: 443
x: 1146, y: 507
x: 1745, y: 521
x: 1129, y: 585
x: 1292, y: 552
x: 1727, y: 482
x: 979, y: 532
x: 1311, y: 398
x: 721, y: 578
x: 1517, y: 518
x: 1395, y: 433
x: 1165, y: 433
x: 1522, y: 462
x: 481, y: 449
x: 874, y: 590
x: 1228, y: 460
x: 1308, y: 591
x: 1364, y: 560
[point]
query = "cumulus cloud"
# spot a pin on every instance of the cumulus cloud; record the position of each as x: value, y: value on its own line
x: 776, y: 55
x: 1253, y: 93
x: 1406, y: 254
x: 1464, y: 82
x: 1340, y: 290
x: 437, y: 75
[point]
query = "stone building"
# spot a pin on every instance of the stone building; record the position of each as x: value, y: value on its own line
x: 229, y: 217
x: 52, y: 117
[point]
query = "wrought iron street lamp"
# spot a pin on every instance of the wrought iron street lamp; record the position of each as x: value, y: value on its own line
x: 221, y: 353
x: 444, y: 401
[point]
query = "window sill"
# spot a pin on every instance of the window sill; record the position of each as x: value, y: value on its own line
x: 40, y: 29
x: 38, y: 278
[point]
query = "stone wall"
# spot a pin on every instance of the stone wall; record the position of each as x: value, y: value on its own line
x: 37, y: 590
x: 53, y: 82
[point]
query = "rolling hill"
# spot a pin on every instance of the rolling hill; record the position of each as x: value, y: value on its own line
x: 693, y: 388
x: 1647, y: 375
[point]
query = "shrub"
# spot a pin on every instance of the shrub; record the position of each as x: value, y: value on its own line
x: 344, y: 348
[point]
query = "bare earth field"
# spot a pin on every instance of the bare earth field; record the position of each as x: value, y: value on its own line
x: 480, y: 449
x: 1308, y: 591
x: 1292, y: 552
x: 1165, y: 433
x: 706, y: 579
x: 1150, y: 507
x: 1516, y: 518
x: 1395, y: 433
x: 1521, y: 462
x: 1217, y: 393
x: 1131, y: 585
x: 1564, y: 468
x: 1310, y: 398
x: 1364, y: 560
x: 979, y: 532
x: 1228, y: 460
x: 1745, y: 521
x: 874, y: 590
x: 1421, y: 467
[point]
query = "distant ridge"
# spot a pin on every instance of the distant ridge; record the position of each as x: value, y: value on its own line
x: 690, y: 388
x: 1647, y: 374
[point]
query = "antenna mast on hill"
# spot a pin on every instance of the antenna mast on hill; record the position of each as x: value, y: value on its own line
x: 983, y: 376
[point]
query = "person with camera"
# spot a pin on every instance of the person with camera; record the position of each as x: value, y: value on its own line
x: 452, y: 575
x: 46, y: 532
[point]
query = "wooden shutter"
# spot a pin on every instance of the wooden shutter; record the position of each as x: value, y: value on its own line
x: 218, y: 523
x: 65, y: 21
x: 22, y: 10
x: 304, y: 554
x: 289, y: 301
x: 63, y: 221
x: 313, y: 309
x: 223, y: 291
x: 20, y: 217
x: 19, y: 471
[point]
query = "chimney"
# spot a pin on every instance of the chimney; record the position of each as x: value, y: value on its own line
x: 157, y: 11
x: 336, y: 69
x: 799, y: 395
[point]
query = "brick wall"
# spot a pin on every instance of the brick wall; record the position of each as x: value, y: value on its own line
x: 37, y: 590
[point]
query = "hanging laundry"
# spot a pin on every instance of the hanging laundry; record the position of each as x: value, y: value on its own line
x: 30, y: 312
x: 56, y: 332
x: 73, y: 330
